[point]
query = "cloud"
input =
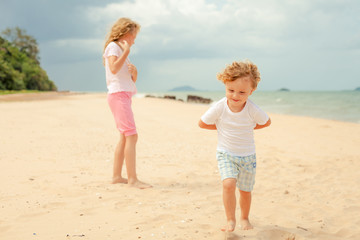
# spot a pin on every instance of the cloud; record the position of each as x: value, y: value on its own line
x: 146, y: 12
x: 71, y: 50
x: 196, y: 28
x: 80, y: 43
x: 301, y: 44
x: 189, y: 41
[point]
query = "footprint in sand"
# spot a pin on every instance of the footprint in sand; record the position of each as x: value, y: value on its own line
x: 277, y: 234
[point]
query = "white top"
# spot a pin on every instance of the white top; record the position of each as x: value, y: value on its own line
x: 121, y: 81
x: 235, y: 130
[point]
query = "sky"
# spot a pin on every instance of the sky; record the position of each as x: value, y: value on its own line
x: 301, y: 45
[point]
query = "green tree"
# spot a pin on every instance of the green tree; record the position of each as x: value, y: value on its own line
x: 25, y: 43
x: 10, y: 79
x: 20, y: 71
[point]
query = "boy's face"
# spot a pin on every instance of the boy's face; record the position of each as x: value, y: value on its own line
x: 237, y: 93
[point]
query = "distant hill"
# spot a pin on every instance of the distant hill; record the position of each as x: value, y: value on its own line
x: 357, y: 89
x: 183, y: 89
x: 284, y: 90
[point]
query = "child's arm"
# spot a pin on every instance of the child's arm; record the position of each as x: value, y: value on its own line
x: 263, y: 126
x: 116, y: 63
x: 206, y: 126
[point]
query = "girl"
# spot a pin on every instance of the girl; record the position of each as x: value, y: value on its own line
x: 121, y: 76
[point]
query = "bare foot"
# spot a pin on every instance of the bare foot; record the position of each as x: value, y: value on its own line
x: 119, y: 180
x: 139, y: 184
x: 230, y: 227
x: 245, y: 224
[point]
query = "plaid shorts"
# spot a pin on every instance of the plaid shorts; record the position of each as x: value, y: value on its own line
x: 243, y: 169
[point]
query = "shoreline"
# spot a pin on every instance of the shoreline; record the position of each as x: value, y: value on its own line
x: 36, y: 96
x: 334, y: 105
x: 40, y: 96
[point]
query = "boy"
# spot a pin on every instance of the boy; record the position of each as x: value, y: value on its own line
x: 235, y: 117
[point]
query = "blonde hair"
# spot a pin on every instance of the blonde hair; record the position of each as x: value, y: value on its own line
x: 238, y: 70
x: 120, y: 28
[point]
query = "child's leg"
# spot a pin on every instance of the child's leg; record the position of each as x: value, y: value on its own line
x: 229, y: 200
x: 130, y: 158
x: 245, y: 203
x: 119, y: 161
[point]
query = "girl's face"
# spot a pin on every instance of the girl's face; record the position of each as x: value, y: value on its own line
x: 130, y: 38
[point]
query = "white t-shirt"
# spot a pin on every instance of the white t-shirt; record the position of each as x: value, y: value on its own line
x: 121, y: 81
x: 235, y: 130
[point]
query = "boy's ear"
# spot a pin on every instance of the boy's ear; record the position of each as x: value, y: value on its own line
x: 252, y: 90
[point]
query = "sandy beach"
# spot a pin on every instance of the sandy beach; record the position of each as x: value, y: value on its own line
x: 56, y: 159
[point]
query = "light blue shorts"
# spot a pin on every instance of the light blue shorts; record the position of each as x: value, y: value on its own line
x: 243, y: 169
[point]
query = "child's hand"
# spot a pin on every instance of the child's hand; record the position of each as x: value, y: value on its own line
x: 133, y: 71
x: 132, y: 68
x: 124, y: 45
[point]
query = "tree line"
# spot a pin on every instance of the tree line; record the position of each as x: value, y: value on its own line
x: 20, y: 63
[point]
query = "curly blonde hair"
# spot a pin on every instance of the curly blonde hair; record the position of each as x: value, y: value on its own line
x: 121, y: 27
x: 238, y: 70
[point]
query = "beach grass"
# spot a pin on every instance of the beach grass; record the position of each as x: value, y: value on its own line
x: 5, y: 92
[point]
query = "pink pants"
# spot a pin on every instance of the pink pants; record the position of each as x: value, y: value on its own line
x: 120, y: 105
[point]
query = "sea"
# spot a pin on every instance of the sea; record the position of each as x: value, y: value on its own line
x: 333, y: 105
